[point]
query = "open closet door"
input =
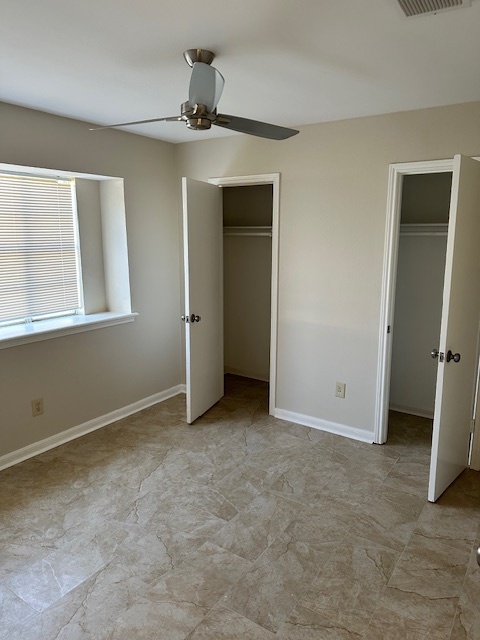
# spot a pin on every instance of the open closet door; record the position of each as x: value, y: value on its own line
x: 203, y: 256
x: 459, y: 331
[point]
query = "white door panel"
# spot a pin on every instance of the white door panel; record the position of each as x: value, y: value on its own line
x: 459, y: 330
x: 203, y: 257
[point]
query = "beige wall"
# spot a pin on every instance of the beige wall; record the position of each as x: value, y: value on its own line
x: 87, y: 375
x: 332, y: 225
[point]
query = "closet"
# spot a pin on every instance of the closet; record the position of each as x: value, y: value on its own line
x: 247, y: 254
x: 419, y: 291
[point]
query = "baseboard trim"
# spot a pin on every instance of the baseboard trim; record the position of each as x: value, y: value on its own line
x: 324, y: 425
x: 247, y: 374
x: 46, y: 444
x: 421, y: 413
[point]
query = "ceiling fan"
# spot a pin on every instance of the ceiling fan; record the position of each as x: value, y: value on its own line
x: 199, y: 112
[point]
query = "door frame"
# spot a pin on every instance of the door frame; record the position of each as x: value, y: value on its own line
x: 274, y: 180
x: 396, y: 173
x: 390, y: 263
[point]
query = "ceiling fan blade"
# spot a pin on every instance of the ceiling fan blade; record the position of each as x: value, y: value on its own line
x: 206, y: 86
x: 254, y: 127
x: 124, y: 124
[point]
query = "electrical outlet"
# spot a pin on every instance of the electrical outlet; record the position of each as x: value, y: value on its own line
x: 340, y: 389
x: 37, y: 407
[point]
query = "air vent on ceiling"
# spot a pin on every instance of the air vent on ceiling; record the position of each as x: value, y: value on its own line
x: 422, y: 7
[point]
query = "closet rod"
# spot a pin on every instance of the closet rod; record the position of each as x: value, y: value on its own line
x: 418, y: 229
x: 248, y: 231
x: 259, y: 234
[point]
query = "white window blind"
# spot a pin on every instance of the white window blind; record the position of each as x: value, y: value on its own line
x: 39, y: 263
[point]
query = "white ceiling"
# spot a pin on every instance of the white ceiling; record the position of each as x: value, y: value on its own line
x: 290, y: 62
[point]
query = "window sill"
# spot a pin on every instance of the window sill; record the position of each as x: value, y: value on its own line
x: 47, y: 329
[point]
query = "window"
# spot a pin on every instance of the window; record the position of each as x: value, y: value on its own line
x: 63, y: 254
x: 39, y: 251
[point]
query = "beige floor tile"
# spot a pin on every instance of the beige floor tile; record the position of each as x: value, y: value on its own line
x: 467, y: 619
x: 202, y: 579
x: 405, y: 630
x: 305, y: 624
x: 222, y: 624
x: 148, y: 620
x: 175, y: 605
x: 351, y: 584
x: 48, y: 580
x: 238, y: 526
x: 388, y: 518
x: 243, y: 484
x: 410, y: 476
x: 433, y: 568
x: 268, y: 592
x: 412, y: 610
x: 328, y: 520
x: 12, y: 610
x: 255, y: 528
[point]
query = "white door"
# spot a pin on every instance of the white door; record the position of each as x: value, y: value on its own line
x: 459, y: 330
x: 203, y: 257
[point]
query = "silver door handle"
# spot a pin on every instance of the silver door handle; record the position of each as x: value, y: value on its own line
x: 434, y: 353
x: 195, y: 318
x: 192, y: 318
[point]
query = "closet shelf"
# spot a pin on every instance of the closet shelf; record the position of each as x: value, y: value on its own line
x: 420, y: 229
x: 248, y: 231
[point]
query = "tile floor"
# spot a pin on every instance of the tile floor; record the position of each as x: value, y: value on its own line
x: 239, y: 527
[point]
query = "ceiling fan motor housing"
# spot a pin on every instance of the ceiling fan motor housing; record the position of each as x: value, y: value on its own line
x: 199, y: 124
x: 198, y: 118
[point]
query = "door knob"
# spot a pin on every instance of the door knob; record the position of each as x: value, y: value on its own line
x: 453, y: 356
x: 191, y: 318
x: 434, y: 353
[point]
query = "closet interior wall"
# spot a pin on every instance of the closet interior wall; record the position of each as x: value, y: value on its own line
x: 419, y: 292
x: 247, y: 219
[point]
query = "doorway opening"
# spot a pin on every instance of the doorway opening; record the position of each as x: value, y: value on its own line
x: 417, y: 208
x: 422, y: 246
x: 247, y: 258
x: 250, y: 223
